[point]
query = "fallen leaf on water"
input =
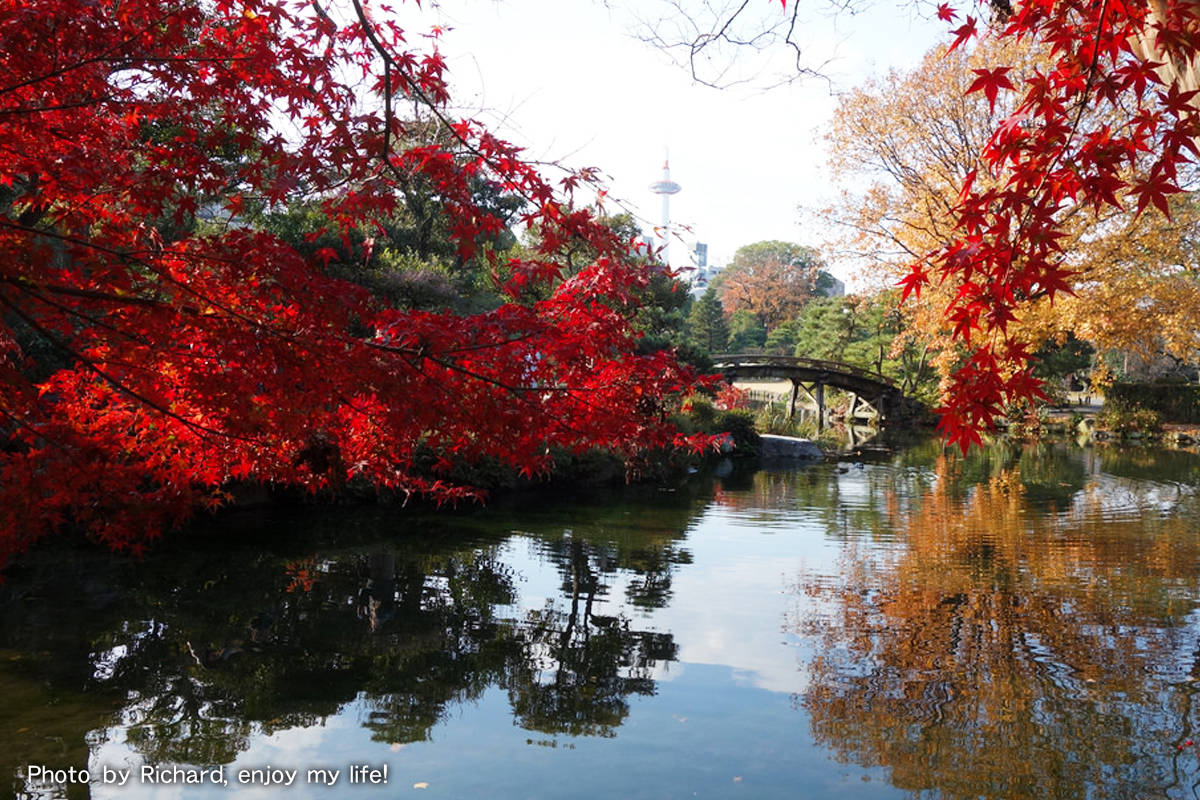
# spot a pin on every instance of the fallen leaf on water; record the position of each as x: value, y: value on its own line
x: 421, y: 785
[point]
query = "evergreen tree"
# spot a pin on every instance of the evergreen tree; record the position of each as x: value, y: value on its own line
x: 746, y: 332
x: 706, y: 324
x: 824, y: 329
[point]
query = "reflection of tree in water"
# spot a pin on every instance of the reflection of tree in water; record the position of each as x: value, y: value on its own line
x: 44, y: 655
x: 245, y: 655
x: 202, y: 651
x: 1002, y: 653
x: 650, y: 568
x: 577, y: 668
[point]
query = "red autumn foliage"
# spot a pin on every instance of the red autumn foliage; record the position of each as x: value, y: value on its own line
x: 186, y: 361
x: 1131, y: 62
x: 1108, y: 55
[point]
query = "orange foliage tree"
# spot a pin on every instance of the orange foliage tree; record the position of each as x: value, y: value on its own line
x: 916, y: 135
x: 772, y: 280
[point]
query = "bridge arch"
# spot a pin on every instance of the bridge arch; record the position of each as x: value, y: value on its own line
x: 877, y: 393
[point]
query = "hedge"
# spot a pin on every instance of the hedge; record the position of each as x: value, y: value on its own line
x: 1175, y: 402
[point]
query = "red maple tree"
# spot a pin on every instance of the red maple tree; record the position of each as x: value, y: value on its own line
x: 143, y: 371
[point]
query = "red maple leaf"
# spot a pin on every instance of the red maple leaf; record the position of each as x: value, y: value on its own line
x: 990, y: 82
x: 963, y: 34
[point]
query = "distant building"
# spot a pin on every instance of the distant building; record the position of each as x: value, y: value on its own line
x: 701, y: 277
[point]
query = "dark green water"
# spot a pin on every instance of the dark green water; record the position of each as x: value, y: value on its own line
x: 904, y: 623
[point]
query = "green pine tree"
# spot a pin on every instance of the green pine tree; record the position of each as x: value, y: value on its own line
x: 706, y: 324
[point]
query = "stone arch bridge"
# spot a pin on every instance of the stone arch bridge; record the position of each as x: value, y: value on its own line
x: 873, y: 396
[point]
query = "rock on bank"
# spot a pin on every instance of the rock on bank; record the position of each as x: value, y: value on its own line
x: 789, y: 447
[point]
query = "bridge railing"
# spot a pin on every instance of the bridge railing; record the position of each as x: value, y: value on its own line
x: 726, y: 360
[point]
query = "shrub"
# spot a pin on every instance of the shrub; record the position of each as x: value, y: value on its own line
x: 1142, y: 420
x: 1177, y: 402
x: 739, y: 424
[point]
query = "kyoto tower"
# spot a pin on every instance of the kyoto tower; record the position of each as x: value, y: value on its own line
x: 666, y: 187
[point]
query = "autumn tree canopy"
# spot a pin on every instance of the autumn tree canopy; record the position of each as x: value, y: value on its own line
x: 1132, y: 64
x: 907, y: 140
x: 156, y: 344
x: 771, y: 280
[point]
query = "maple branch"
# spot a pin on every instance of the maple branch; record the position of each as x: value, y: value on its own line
x: 413, y: 88
x: 691, y: 38
x: 1080, y: 109
x: 101, y: 58
x: 487, y: 345
x: 704, y: 40
x: 29, y: 285
x: 411, y: 353
x: 75, y: 313
x: 116, y: 383
x: 386, y: 56
x: 40, y: 434
x: 18, y: 226
x: 787, y: 40
x: 135, y: 257
x: 25, y: 110
x: 518, y: 393
x: 993, y: 333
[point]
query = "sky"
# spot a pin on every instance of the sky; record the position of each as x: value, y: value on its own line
x: 570, y: 82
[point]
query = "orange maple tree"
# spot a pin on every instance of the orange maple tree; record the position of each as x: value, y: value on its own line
x: 171, y: 361
x: 1134, y: 58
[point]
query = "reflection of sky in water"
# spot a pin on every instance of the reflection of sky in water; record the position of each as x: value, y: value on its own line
x: 1106, y: 496
x: 729, y: 604
x: 701, y: 735
x: 722, y: 720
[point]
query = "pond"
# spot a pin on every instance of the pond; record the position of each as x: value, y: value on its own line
x: 898, y: 623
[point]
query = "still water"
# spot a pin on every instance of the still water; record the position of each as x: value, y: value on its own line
x: 902, y: 623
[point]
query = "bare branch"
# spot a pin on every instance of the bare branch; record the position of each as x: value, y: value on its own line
x: 735, y: 42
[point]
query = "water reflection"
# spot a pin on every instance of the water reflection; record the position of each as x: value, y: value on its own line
x: 207, y: 645
x: 576, y: 668
x: 1020, y: 623
x: 1031, y: 638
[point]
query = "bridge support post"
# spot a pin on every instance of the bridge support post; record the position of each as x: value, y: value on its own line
x: 819, y: 396
x: 792, y: 400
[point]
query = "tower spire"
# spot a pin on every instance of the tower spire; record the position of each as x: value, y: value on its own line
x: 666, y: 187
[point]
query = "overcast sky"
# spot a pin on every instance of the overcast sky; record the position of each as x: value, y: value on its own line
x: 569, y: 81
